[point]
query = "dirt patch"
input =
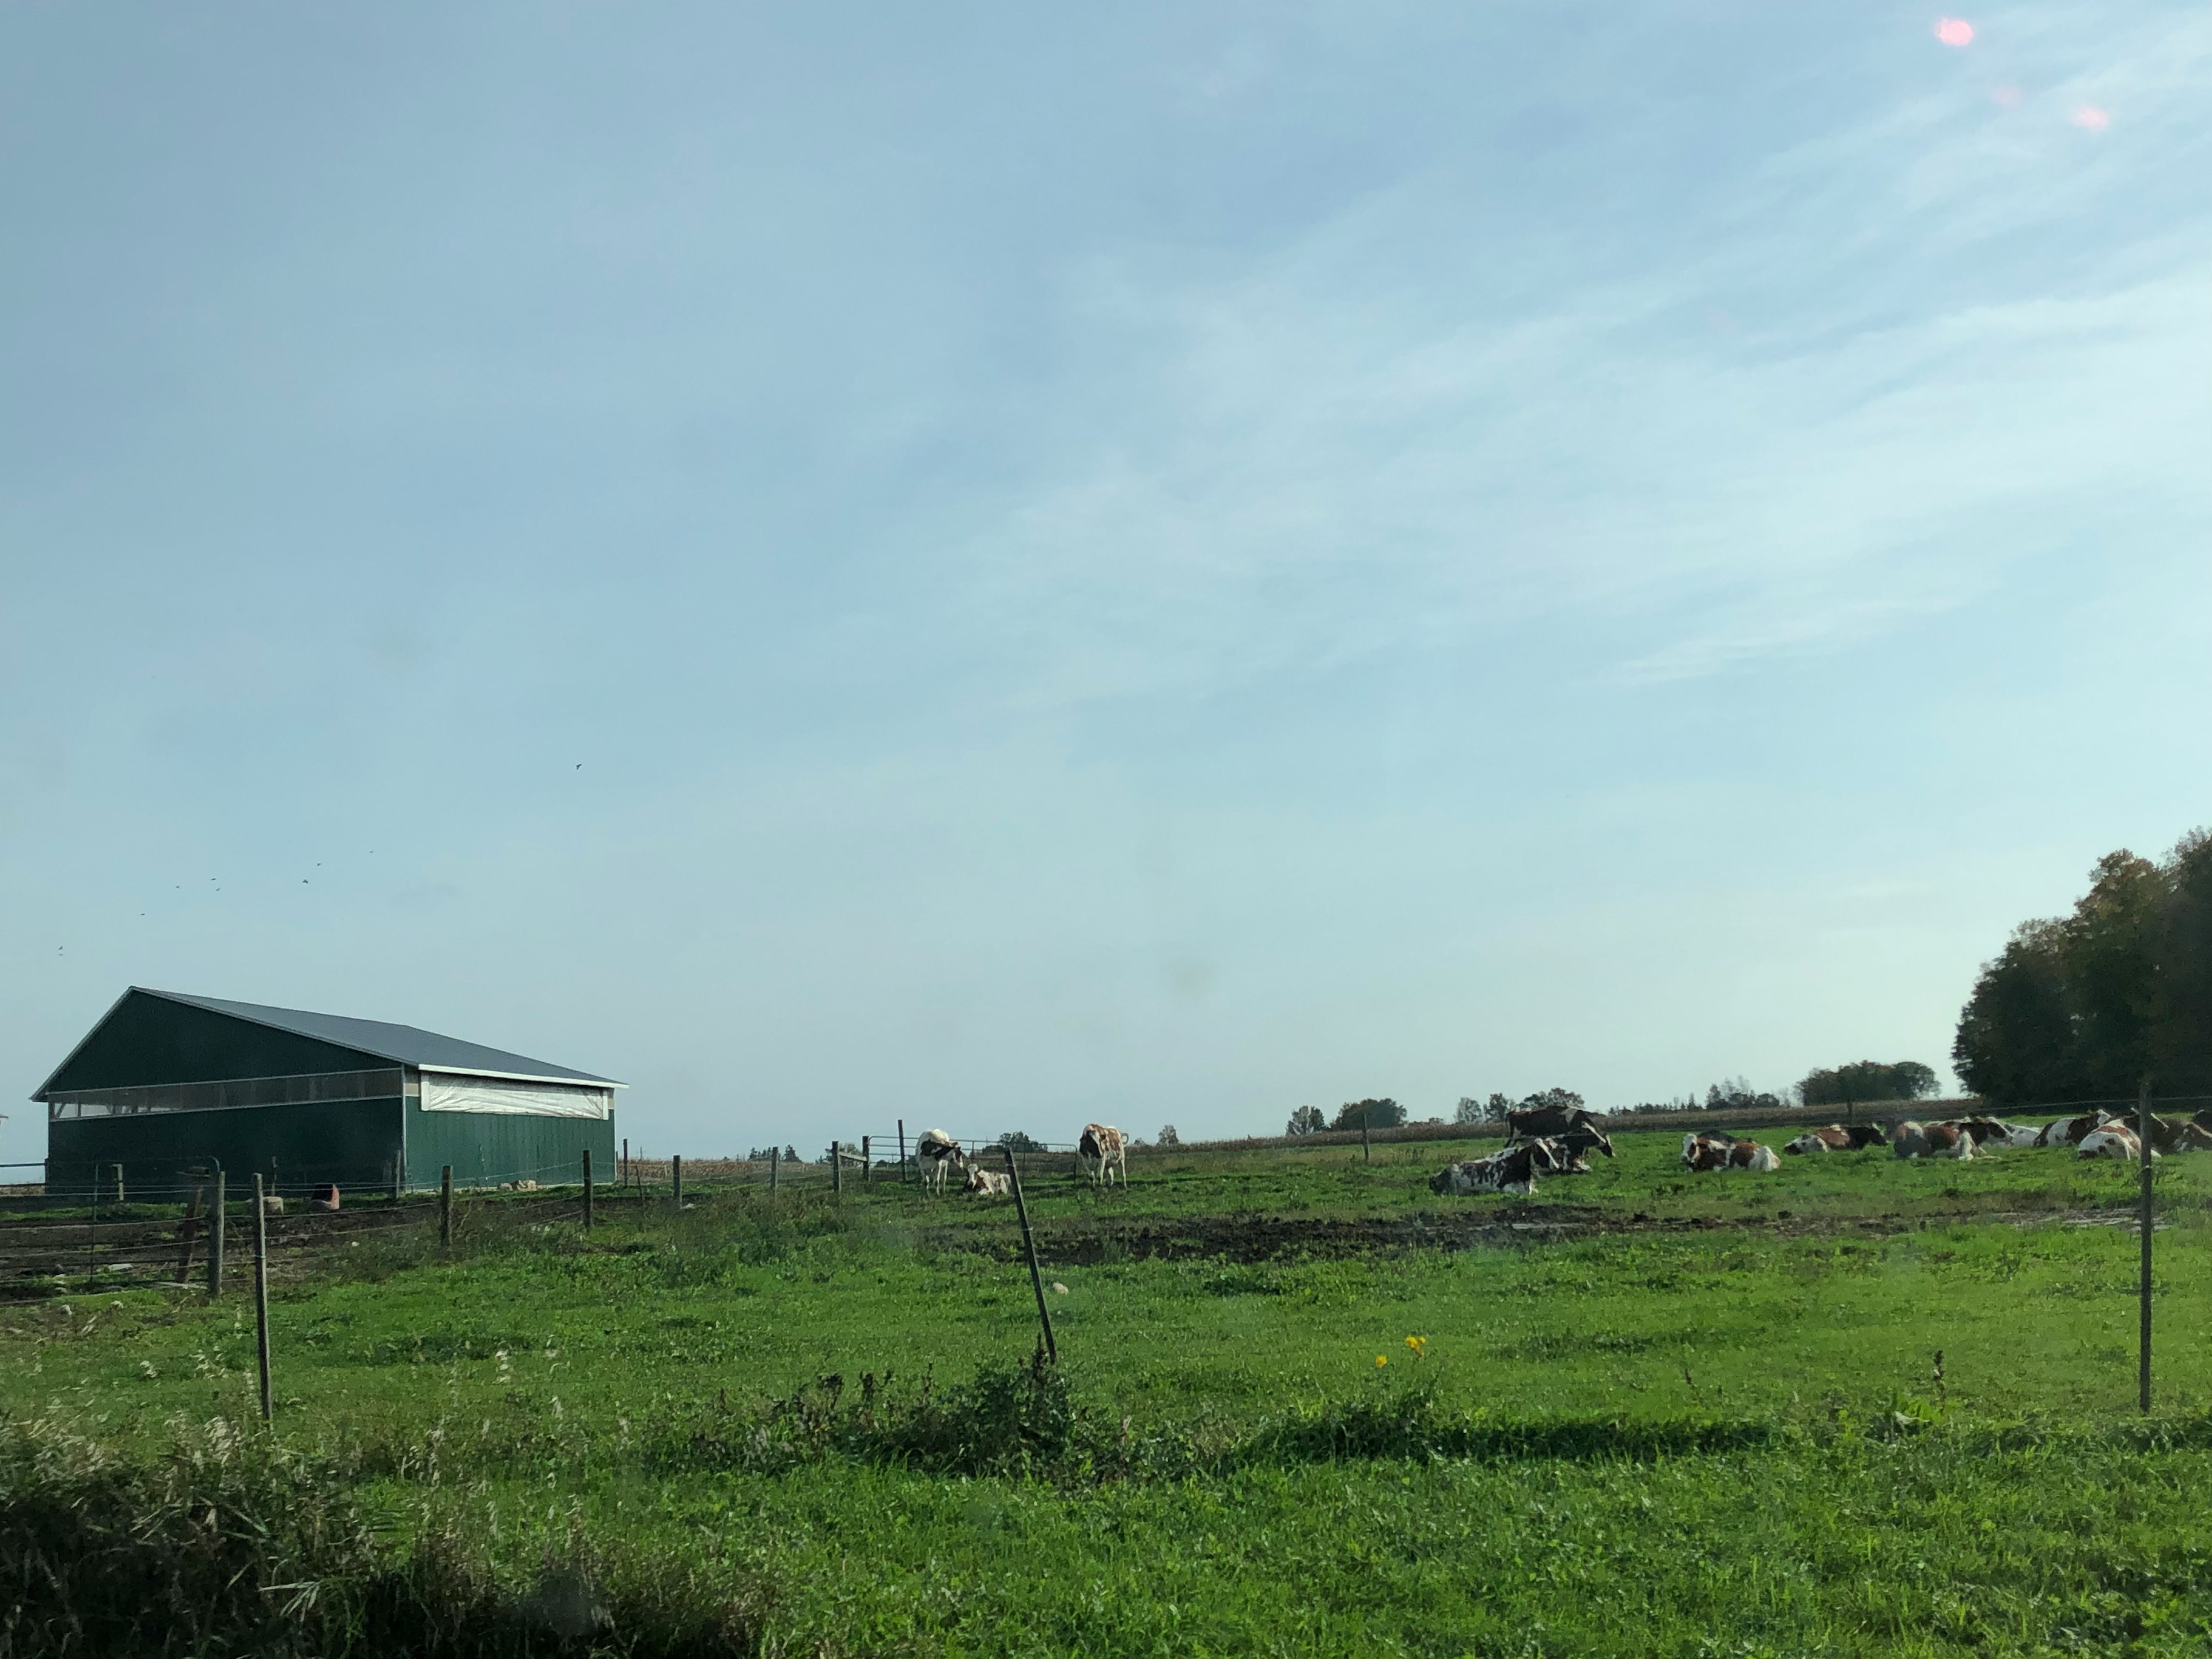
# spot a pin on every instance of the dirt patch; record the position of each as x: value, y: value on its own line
x: 1253, y: 1238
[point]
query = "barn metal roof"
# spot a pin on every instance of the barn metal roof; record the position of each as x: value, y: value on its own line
x: 404, y: 1045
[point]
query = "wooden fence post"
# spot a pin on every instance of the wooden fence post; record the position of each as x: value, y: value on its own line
x: 621, y: 1175
x: 587, y: 1189
x: 119, y: 1199
x: 867, y: 1162
x: 676, y: 1179
x: 445, y: 1207
x: 2143, y: 1147
x: 261, y: 1288
x: 1029, y: 1248
x: 902, y: 1162
x: 1366, y: 1153
x: 216, y: 1229
x: 187, y: 1236
x: 836, y: 1168
x: 774, y: 1161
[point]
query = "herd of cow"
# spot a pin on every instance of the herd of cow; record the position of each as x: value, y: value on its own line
x: 1553, y: 1140
x: 1102, y: 1152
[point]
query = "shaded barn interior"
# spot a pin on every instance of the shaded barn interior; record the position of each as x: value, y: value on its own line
x: 167, y: 1083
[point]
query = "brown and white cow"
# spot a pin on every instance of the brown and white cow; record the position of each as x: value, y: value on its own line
x: 2113, y: 1140
x: 1910, y: 1140
x: 1835, y: 1138
x: 2178, y: 1134
x: 1512, y: 1170
x: 1995, y: 1132
x: 1102, y: 1151
x: 936, y: 1153
x: 988, y: 1183
x: 1701, y: 1152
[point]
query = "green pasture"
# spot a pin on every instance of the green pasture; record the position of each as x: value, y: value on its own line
x: 1731, y: 1439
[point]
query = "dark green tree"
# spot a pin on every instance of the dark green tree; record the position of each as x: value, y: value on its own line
x: 1385, y: 1114
x: 1867, y: 1080
x: 1307, y: 1120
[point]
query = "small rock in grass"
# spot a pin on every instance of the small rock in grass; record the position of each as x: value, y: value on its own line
x: 1058, y: 1288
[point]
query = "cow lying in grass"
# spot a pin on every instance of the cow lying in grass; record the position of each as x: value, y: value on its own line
x: 2113, y: 1139
x: 1910, y: 1140
x: 2068, y: 1131
x: 1993, y: 1131
x: 988, y: 1183
x: 1512, y: 1170
x: 1837, y: 1138
x: 1701, y: 1152
x: 2178, y: 1135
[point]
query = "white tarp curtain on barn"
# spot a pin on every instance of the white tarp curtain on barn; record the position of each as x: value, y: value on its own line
x: 443, y: 1092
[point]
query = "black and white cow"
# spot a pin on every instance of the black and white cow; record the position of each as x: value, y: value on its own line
x: 1512, y: 1170
x: 934, y: 1155
x: 1717, y: 1152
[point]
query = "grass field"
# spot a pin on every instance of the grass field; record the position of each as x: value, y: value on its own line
x: 1668, y: 1415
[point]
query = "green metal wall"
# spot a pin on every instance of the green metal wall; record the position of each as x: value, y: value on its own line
x: 487, y: 1149
x: 351, y: 1142
x: 152, y: 1040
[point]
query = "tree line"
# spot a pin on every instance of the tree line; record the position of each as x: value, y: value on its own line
x: 2099, y: 1004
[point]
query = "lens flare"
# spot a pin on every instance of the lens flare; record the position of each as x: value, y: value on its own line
x: 1955, y: 32
x: 2090, y: 118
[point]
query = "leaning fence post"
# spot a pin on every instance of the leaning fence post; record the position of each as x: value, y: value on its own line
x: 676, y: 1179
x: 446, y: 1206
x: 2143, y: 1148
x: 902, y: 1162
x: 218, y: 1216
x: 587, y: 1189
x: 1029, y: 1248
x: 261, y: 1288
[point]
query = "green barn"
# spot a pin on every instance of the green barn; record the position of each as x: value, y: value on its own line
x: 167, y: 1083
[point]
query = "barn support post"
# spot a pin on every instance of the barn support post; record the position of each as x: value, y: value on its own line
x: 587, y: 1189
x: 218, y: 1216
x: 837, y: 1169
x: 2143, y: 1147
x: 445, y: 1207
x: 775, y: 1162
x: 1029, y: 1249
x: 676, y: 1179
x: 261, y: 1288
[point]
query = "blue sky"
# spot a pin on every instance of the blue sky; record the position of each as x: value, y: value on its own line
x: 999, y: 567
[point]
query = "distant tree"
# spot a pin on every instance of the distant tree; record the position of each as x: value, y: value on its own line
x: 1307, y: 1120
x: 1867, y: 1081
x: 1470, y: 1110
x: 1015, y: 1141
x: 791, y: 1154
x: 1735, y: 1094
x: 1385, y: 1114
x: 1168, y: 1136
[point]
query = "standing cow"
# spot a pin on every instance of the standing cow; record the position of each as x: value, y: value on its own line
x: 1102, y: 1152
x: 934, y: 1155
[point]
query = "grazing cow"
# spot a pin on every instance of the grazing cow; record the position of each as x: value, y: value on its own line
x: 1910, y: 1140
x: 988, y: 1183
x: 935, y: 1153
x: 1102, y: 1151
x: 1513, y: 1171
x: 1713, y: 1152
x: 1549, y: 1122
x: 2113, y: 1140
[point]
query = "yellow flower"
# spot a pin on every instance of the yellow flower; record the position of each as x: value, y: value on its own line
x: 1381, y: 1360
x: 1419, y: 1345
